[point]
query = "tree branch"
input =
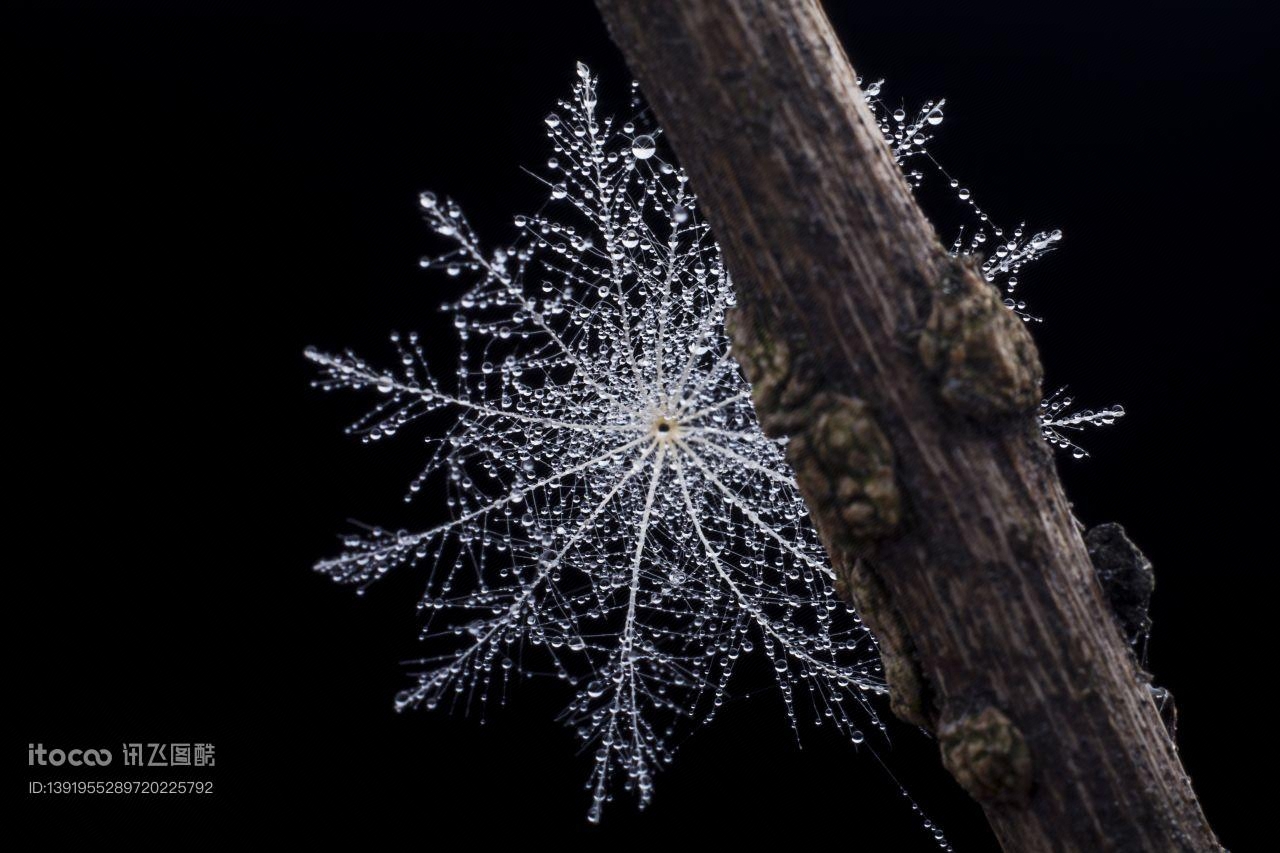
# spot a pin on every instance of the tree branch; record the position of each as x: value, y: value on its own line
x: 908, y: 391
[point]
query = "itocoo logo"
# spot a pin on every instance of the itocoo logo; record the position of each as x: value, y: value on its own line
x: 38, y: 755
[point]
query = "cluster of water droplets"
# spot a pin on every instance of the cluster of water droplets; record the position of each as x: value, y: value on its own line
x: 1003, y: 253
x: 1057, y: 418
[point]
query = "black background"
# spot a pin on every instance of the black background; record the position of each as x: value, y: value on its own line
x: 204, y: 188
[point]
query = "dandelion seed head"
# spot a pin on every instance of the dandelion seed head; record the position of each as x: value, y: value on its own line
x: 617, y: 519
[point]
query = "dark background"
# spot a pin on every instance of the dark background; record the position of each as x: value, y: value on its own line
x: 203, y: 188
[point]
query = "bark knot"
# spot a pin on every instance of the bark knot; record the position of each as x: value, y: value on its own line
x: 844, y: 465
x: 843, y: 460
x: 982, y: 355
x: 987, y: 755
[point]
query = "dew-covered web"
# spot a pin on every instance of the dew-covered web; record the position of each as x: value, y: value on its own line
x: 618, y: 519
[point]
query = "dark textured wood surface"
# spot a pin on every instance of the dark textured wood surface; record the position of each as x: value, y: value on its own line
x: 956, y: 538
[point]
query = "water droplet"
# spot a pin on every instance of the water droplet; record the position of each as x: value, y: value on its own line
x: 643, y: 147
x: 559, y: 191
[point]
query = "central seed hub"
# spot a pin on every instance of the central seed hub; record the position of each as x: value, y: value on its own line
x: 664, y: 428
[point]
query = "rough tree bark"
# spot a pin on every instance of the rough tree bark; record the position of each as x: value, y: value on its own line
x: 908, y: 393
